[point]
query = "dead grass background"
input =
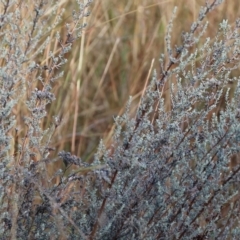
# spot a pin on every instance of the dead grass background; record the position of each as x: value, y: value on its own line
x: 112, y: 61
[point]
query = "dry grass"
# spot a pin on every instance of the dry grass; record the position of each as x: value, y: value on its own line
x: 112, y: 61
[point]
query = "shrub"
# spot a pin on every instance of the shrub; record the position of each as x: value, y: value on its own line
x: 172, y: 172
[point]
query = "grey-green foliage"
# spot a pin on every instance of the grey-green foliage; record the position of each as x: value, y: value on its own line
x: 25, y: 30
x: 172, y: 172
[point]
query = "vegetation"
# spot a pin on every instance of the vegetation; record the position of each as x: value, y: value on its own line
x: 168, y: 168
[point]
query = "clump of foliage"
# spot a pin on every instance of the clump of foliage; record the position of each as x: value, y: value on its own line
x: 172, y: 172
